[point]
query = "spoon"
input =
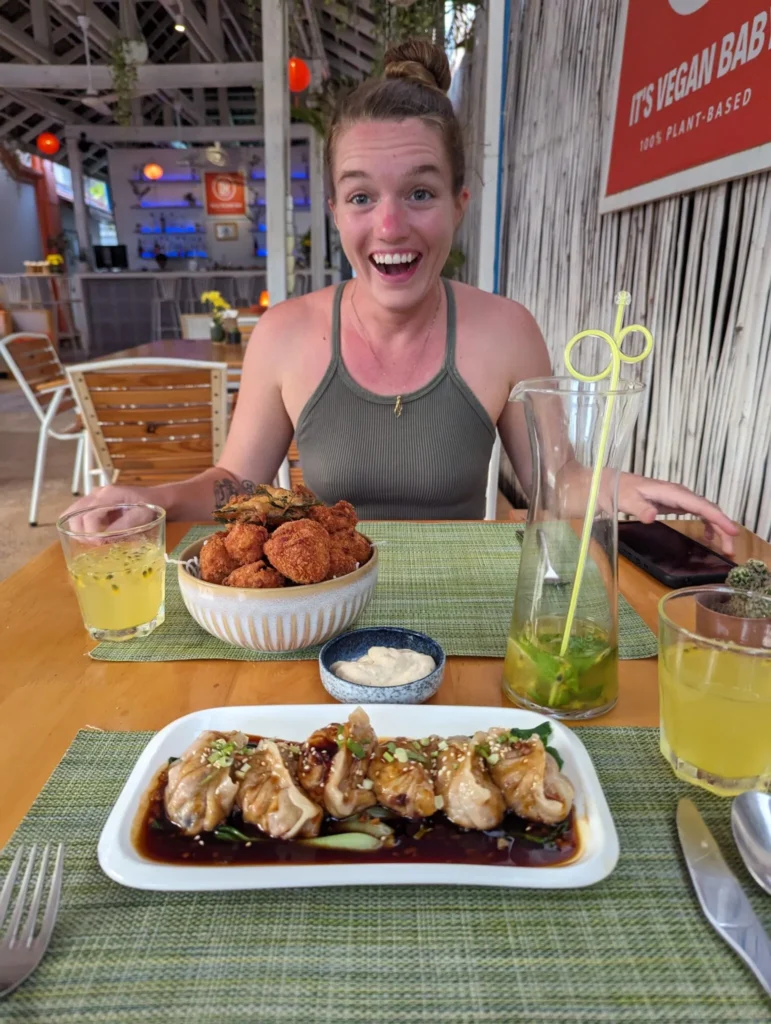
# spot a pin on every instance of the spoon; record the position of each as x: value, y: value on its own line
x: 751, y: 824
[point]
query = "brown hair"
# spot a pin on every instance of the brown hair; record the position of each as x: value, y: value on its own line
x: 414, y: 83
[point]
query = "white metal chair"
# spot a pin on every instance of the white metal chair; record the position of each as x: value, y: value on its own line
x: 166, y: 299
x: 493, y: 472
x: 196, y: 326
x: 33, y: 361
x: 152, y: 420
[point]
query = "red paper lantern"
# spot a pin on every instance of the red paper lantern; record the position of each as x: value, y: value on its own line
x: 152, y: 171
x: 48, y: 144
x: 299, y: 74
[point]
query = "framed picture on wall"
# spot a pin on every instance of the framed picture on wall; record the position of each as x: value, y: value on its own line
x: 226, y: 231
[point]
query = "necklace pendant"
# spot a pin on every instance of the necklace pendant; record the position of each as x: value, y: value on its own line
x: 398, y: 406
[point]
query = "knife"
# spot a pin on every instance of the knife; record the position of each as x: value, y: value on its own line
x: 721, y: 897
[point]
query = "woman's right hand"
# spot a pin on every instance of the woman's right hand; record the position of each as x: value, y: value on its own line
x: 94, y: 517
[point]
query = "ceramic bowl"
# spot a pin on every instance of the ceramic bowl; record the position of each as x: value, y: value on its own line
x: 280, y: 619
x: 353, y: 645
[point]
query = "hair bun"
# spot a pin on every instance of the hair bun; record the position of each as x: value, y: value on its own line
x: 420, y: 60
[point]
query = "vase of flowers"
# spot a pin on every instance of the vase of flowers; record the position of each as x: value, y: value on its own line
x: 217, y: 305
x: 55, y: 263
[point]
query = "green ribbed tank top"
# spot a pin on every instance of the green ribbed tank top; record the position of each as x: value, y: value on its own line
x: 428, y: 463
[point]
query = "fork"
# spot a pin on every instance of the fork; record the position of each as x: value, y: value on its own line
x: 21, y: 953
x: 550, y: 576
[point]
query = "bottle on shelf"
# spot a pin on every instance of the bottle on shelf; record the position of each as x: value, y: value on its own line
x: 163, y: 223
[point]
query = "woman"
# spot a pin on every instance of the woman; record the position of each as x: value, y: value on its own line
x: 393, y: 383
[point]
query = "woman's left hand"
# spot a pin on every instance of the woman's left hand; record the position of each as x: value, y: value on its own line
x: 645, y: 499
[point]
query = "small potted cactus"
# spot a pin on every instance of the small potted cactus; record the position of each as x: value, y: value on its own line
x: 744, y: 616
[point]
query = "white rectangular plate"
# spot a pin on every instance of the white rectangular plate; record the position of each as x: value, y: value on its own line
x: 121, y: 861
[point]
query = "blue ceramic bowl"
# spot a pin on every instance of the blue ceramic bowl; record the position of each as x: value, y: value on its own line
x: 350, y: 646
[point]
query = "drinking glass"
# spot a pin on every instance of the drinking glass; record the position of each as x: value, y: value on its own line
x: 715, y: 691
x: 573, y: 676
x: 115, y: 556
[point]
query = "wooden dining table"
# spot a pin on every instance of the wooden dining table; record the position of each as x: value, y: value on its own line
x: 51, y: 688
x: 183, y: 348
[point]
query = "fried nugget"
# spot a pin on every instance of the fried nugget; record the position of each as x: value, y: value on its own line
x: 300, y: 551
x: 347, y: 551
x: 257, y: 576
x: 336, y: 518
x: 215, y: 560
x: 245, y: 541
x: 341, y: 562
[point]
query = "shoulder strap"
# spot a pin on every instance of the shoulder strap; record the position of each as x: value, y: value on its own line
x: 449, y: 354
x: 336, y: 303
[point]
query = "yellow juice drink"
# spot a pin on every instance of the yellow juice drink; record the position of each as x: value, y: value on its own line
x: 716, y: 716
x: 120, y: 587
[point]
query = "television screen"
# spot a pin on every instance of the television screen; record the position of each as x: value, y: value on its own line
x: 110, y: 257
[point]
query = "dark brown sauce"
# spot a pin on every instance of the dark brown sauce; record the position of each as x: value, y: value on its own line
x: 516, y: 843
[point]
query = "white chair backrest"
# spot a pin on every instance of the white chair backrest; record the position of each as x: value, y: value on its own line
x: 152, y: 419
x: 34, y: 321
x: 196, y: 326
x: 493, y: 472
x: 34, y: 362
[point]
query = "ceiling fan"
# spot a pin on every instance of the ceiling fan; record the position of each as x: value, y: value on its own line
x: 138, y: 54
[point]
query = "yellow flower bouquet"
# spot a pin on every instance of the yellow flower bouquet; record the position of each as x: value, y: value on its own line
x: 217, y: 306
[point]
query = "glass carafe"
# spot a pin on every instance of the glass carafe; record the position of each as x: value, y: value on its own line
x: 577, y: 676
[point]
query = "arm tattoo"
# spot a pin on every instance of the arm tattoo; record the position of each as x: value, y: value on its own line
x: 228, y: 488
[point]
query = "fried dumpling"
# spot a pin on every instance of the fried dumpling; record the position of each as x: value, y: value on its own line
x: 468, y: 795
x: 402, y: 777
x: 529, y: 777
x: 345, y: 790
x: 201, y: 787
x: 271, y: 798
x: 315, y: 760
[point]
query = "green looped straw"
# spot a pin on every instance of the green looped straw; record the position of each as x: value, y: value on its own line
x: 612, y: 370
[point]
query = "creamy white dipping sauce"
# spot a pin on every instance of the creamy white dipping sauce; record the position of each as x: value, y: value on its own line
x: 385, y: 666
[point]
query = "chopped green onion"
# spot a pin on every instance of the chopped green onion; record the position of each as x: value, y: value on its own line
x: 390, y: 747
x: 355, y: 748
x: 482, y: 749
x: 413, y: 755
x: 401, y: 755
x: 388, y: 757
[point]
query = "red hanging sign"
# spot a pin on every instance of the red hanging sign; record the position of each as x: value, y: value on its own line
x: 692, y: 103
x: 225, y: 193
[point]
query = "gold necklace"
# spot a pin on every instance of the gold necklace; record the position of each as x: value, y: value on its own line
x: 398, y: 407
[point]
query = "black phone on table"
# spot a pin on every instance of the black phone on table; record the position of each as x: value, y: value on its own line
x: 669, y: 556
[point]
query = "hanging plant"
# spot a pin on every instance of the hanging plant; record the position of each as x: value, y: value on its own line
x: 255, y: 24
x: 124, y: 80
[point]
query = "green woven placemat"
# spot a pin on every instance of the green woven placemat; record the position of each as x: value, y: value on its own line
x: 634, y: 948
x: 453, y: 581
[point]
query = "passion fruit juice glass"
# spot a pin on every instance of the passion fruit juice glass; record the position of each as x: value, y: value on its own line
x: 116, y: 560
x: 715, y: 691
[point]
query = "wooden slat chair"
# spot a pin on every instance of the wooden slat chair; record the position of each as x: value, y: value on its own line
x: 152, y: 421
x: 33, y: 361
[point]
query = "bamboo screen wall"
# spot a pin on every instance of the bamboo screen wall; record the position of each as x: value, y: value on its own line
x: 698, y: 266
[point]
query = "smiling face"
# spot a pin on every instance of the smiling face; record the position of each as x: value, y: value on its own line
x: 394, y: 207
